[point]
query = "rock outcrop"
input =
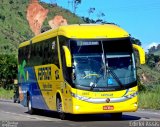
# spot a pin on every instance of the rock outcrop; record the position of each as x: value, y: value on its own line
x: 36, y: 15
x: 57, y: 21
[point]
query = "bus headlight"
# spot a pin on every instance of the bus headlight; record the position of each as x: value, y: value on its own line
x: 132, y: 95
x: 135, y: 104
x: 78, y: 96
x: 73, y: 94
x: 77, y: 107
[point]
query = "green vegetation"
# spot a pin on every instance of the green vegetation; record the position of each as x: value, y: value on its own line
x: 8, y: 70
x: 12, y: 20
x: 157, y: 53
x: 155, y: 50
x: 57, y: 10
x: 6, y: 94
x: 150, y: 98
x: 152, y: 75
x: 149, y: 83
x: 14, y: 27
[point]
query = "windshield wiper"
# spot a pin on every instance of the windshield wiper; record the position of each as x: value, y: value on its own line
x: 106, y: 70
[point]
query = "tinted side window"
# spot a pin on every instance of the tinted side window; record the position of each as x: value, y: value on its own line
x: 44, y: 52
x: 23, y: 54
x: 41, y: 53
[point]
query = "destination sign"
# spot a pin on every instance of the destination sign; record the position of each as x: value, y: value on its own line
x: 86, y: 43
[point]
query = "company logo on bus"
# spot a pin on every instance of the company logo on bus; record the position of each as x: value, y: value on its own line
x: 107, y: 100
x: 44, y: 73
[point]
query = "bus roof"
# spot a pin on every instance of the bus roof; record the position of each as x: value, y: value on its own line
x: 82, y: 31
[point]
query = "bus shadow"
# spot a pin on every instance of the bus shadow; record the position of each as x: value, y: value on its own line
x: 45, y: 113
x: 102, y: 117
x: 86, y: 118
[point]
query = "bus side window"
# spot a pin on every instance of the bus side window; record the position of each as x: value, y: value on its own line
x: 41, y: 49
x: 33, y: 55
x: 47, y: 54
x: 54, y: 53
x: 20, y: 55
x: 44, y: 53
x: 25, y: 54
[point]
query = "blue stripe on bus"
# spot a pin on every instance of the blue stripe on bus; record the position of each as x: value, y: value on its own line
x: 37, y: 99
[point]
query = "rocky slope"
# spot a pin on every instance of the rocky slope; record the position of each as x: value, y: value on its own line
x: 14, y: 27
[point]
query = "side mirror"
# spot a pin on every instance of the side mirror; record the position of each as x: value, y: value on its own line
x: 141, y: 53
x: 67, y: 56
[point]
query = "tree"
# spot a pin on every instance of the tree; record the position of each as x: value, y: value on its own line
x: 75, y: 5
x: 158, y: 47
x: 90, y: 11
x: 152, y: 49
x: 88, y: 20
x: 53, y: 2
x: 151, y: 60
x: 8, y: 70
x: 100, y: 16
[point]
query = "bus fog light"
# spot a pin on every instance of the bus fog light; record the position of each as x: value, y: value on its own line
x: 77, y: 107
x: 135, y: 104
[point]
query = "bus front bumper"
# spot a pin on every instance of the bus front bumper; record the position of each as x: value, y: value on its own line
x: 90, y: 108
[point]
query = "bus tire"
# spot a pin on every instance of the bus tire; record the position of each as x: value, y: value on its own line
x: 116, y: 116
x: 14, y: 99
x: 59, y: 108
x: 30, y: 109
x: 18, y: 101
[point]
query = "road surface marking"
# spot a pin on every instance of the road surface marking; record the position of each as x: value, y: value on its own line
x: 28, y: 116
x: 147, y: 112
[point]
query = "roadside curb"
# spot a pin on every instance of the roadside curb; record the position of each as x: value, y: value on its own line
x: 149, y: 110
x: 5, y: 100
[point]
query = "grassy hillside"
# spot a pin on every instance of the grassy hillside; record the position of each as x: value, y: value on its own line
x: 150, y: 99
x: 151, y: 74
x: 14, y: 27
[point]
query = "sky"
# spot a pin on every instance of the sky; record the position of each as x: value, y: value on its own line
x: 140, y: 18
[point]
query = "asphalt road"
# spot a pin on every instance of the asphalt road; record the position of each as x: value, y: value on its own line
x: 15, y: 115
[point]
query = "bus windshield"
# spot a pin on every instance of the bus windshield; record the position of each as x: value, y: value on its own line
x: 104, y: 64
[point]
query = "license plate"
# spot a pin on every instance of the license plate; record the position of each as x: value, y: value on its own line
x: 108, y: 107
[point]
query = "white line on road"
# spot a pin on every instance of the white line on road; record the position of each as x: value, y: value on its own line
x: 28, y: 116
x: 147, y: 112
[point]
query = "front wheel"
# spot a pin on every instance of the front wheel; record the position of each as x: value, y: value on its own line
x: 14, y: 99
x: 61, y: 114
x: 30, y: 109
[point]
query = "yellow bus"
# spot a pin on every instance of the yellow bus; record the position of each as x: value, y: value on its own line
x: 80, y: 69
